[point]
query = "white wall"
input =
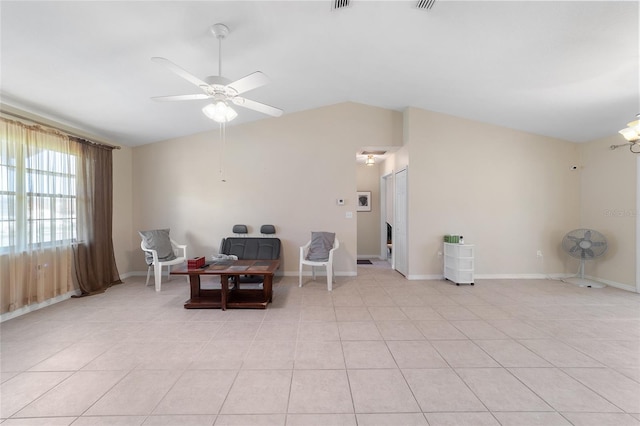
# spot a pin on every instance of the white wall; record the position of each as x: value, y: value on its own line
x: 608, y: 205
x: 508, y: 192
x: 288, y: 172
x: 368, y: 179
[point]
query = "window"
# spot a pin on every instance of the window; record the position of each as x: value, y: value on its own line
x: 51, y: 197
x: 54, y: 191
x: 7, y: 200
x: 37, y: 195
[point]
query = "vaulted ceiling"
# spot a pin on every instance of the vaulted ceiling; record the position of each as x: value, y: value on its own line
x: 564, y: 69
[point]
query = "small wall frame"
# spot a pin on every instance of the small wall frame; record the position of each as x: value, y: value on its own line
x: 363, y: 201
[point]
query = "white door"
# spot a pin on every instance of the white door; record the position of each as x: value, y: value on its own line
x: 400, y: 223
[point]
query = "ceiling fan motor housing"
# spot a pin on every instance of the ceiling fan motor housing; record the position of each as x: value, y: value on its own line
x: 221, y: 90
x: 219, y: 30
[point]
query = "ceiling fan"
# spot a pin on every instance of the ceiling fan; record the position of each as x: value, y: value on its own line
x: 220, y: 90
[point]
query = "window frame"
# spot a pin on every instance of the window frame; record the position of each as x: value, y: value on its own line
x: 23, y: 190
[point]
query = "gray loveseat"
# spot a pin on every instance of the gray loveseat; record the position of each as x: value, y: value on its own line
x: 251, y: 248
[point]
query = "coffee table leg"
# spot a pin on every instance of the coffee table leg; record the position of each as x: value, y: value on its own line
x: 267, y: 287
x: 224, y: 291
x: 194, y: 282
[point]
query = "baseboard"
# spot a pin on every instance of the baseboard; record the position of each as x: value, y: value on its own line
x: 319, y: 274
x: 556, y: 276
x: 369, y: 256
x: 511, y: 276
x: 610, y: 283
x: 132, y: 274
x: 285, y: 273
x: 613, y: 284
x: 425, y: 277
x: 35, y: 306
x: 495, y: 277
x: 142, y: 274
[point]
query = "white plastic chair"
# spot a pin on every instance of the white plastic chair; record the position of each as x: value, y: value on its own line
x: 180, y: 251
x: 313, y: 263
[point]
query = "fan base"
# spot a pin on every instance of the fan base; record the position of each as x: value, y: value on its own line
x: 220, y: 31
x: 583, y: 282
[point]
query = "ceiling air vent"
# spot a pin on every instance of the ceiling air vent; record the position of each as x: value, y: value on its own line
x: 340, y: 4
x: 425, y: 4
x: 373, y: 152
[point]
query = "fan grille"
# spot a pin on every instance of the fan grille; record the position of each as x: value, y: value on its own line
x: 584, y: 244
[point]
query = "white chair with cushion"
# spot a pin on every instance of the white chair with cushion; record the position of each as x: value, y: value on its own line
x: 319, y: 252
x: 160, y: 250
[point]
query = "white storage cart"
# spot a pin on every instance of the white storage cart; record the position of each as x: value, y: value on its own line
x: 459, y: 263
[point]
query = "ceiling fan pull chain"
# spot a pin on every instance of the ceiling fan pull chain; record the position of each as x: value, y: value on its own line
x: 219, y: 56
x: 223, y: 140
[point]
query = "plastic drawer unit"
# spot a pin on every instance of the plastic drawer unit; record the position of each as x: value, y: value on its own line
x: 458, y: 263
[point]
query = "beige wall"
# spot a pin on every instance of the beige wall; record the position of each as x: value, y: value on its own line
x: 288, y: 172
x: 608, y: 205
x: 509, y: 193
x: 368, y: 179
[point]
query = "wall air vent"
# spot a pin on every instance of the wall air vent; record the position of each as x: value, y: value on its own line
x: 425, y: 4
x: 340, y: 4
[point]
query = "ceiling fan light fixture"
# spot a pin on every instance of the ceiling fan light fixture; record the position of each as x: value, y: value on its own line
x: 632, y: 131
x: 220, y: 90
x: 370, y: 161
x: 219, y: 112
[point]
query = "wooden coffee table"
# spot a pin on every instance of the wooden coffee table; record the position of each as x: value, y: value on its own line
x: 237, y: 297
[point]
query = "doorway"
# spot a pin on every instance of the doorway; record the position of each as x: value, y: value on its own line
x: 393, y: 223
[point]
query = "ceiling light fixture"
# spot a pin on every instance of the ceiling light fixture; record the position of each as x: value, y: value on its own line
x: 632, y: 131
x: 370, y: 161
x: 632, y: 134
x: 220, y: 112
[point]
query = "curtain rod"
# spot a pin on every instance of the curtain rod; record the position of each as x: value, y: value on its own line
x: 70, y: 134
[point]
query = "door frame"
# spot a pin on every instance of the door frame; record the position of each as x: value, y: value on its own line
x: 396, y: 206
x: 637, y: 212
x: 384, y: 196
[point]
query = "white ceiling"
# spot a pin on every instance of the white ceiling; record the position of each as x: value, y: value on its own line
x: 563, y: 69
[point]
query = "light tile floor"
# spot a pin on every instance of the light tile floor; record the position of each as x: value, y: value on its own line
x: 378, y: 350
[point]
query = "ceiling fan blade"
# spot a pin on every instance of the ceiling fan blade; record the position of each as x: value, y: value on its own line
x: 257, y: 106
x: 180, y: 97
x: 179, y: 71
x: 249, y: 82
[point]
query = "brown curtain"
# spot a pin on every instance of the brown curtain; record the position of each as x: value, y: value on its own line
x: 94, y: 259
